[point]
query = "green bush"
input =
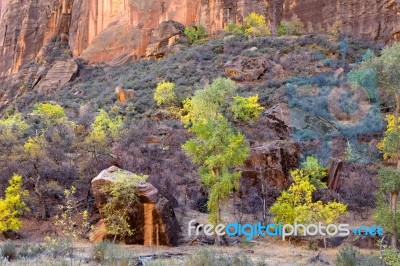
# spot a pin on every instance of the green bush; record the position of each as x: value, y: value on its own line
x: 391, y: 257
x: 9, y: 250
x: 290, y: 27
x: 234, y: 29
x: 347, y: 256
x: 100, y: 251
x: 195, y: 33
x: 210, y: 257
x: 246, y: 108
x: 59, y: 247
x: 165, y: 93
x: 30, y: 251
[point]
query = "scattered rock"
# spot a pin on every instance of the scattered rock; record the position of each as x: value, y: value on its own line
x: 154, y: 222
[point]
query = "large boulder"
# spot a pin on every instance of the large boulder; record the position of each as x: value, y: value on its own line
x: 272, y: 162
x: 153, y: 218
x: 60, y: 74
x: 162, y: 39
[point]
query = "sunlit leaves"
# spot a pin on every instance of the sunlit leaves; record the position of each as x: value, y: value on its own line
x: 13, y: 205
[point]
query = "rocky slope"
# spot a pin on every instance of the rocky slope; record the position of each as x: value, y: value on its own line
x: 100, y: 30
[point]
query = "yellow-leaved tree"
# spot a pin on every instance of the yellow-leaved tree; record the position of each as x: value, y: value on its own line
x: 12, y: 205
x: 296, y: 204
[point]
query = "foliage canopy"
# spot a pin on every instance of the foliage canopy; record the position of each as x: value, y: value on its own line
x: 13, y: 205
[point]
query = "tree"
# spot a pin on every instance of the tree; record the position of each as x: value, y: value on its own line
x: 51, y: 113
x: 246, y: 109
x: 13, y: 205
x: 315, y: 171
x: 195, y: 33
x: 104, y: 130
x: 13, y: 131
x: 385, y: 70
x: 255, y: 25
x: 165, y: 93
x: 290, y: 27
x: 217, y: 148
x: 295, y: 204
x: 121, y: 200
x: 65, y: 220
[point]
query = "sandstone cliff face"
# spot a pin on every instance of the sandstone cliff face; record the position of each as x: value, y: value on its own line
x: 26, y: 26
x: 369, y: 19
x: 109, y: 30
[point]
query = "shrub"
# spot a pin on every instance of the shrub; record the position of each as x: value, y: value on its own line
x: 195, y: 33
x: 348, y: 256
x: 235, y: 29
x: 391, y: 257
x: 211, y: 258
x: 30, y: 251
x: 165, y: 93
x: 59, y: 247
x: 255, y: 25
x: 290, y: 27
x: 100, y: 251
x: 246, y: 108
x: 9, y: 250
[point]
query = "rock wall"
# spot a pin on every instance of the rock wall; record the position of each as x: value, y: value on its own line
x: 370, y: 19
x: 107, y: 30
x: 26, y: 26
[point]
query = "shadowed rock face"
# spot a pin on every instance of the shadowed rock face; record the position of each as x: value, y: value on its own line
x: 109, y: 30
x: 153, y: 220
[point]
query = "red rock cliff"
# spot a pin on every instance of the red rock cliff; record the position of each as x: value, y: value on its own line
x: 107, y: 30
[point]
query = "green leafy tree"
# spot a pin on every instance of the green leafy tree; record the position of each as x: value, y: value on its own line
x: 290, y: 27
x: 195, y: 33
x: 217, y: 147
x: 104, y: 130
x: 235, y: 29
x: 246, y: 109
x: 296, y: 205
x: 385, y: 70
x: 13, y: 131
x: 315, y: 172
x: 255, y: 25
x: 13, y: 205
x: 70, y: 228
x: 121, y: 200
x: 165, y: 93
x: 51, y: 113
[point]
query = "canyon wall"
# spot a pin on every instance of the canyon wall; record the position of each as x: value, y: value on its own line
x: 26, y: 26
x: 106, y: 30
